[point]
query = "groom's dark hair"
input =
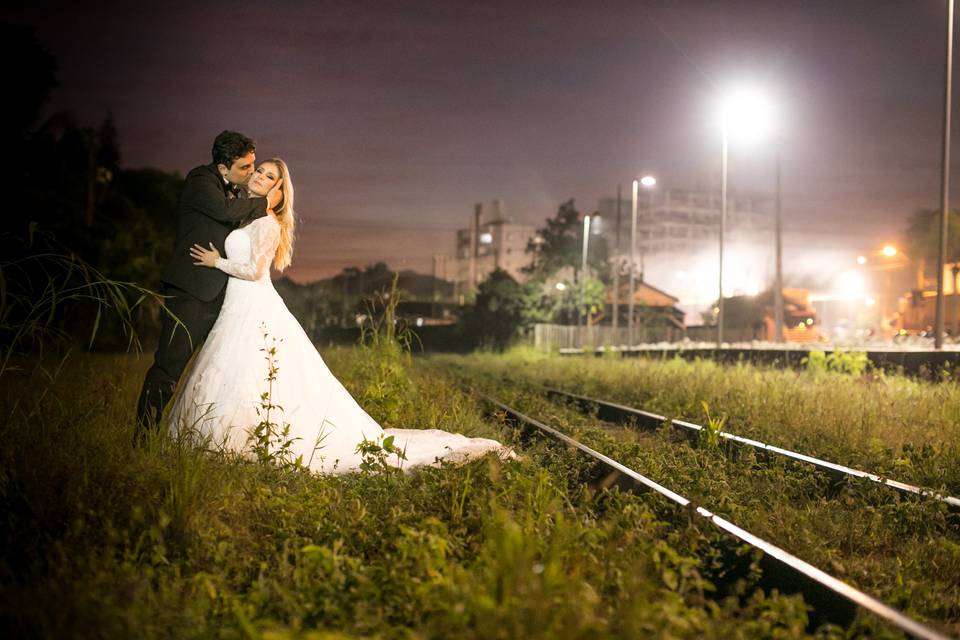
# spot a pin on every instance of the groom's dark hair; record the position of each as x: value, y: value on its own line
x: 230, y: 145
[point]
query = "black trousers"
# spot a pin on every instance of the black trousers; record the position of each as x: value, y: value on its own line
x: 177, y: 344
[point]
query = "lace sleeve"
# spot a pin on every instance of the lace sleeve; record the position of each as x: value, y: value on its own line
x: 266, y: 237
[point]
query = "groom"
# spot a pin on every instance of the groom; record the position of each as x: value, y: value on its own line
x: 213, y: 202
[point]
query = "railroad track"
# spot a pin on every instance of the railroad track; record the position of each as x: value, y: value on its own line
x: 621, y: 414
x: 832, y: 599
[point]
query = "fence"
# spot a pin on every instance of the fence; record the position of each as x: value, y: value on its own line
x: 551, y: 337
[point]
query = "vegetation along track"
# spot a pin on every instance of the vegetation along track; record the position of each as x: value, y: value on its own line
x: 898, y: 546
x: 622, y: 414
x: 832, y: 597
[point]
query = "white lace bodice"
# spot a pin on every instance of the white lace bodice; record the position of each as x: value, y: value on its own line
x: 250, y: 250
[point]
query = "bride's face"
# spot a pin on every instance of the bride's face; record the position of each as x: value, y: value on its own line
x: 264, y: 178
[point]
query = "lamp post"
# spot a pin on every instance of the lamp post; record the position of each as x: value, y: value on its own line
x: 648, y: 182
x: 944, y: 182
x: 583, y: 267
x: 743, y: 115
x: 885, y: 262
x: 778, y: 279
x: 723, y: 227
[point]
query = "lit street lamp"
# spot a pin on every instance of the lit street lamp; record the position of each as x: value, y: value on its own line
x: 583, y: 267
x: 648, y: 182
x: 744, y: 115
x: 884, y: 262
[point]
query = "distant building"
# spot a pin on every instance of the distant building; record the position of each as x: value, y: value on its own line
x: 492, y: 241
x: 680, y: 221
x: 678, y: 232
x: 652, y: 306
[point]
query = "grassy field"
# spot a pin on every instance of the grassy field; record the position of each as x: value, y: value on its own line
x: 103, y: 540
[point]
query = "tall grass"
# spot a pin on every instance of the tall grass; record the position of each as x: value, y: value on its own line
x: 103, y: 540
x: 42, y: 292
x: 893, y: 425
x: 902, y: 549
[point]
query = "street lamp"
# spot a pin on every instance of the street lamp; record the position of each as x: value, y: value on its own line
x: 884, y: 262
x: 583, y: 266
x: 648, y: 182
x: 745, y: 115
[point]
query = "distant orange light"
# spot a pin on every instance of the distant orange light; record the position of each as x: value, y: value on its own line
x: 889, y: 251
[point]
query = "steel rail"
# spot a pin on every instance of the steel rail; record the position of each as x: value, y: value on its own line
x: 782, y: 557
x: 825, y: 465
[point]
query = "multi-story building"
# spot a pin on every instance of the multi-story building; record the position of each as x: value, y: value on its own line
x: 680, y: 221
x: 678, y: 233
x: 492, y: 241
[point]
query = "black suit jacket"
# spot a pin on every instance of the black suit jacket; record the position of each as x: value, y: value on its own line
x: 206, y: 214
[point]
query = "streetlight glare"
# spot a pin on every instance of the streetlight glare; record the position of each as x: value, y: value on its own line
x: 850, y: 285
x: 861, y: 259
x: 889, y: 251
x: 746, y: 115
x: 648, y: 181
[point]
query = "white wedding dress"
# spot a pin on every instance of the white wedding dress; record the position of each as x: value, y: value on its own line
x: 222, y: 393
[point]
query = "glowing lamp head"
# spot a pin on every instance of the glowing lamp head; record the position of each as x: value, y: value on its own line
x: 648, y: 181
x: 889, y: 251
x: 861, y: 259
x: 746, y: 115
x: 850, y: 285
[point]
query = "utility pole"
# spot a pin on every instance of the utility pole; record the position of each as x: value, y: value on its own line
x: 474, y: 247
x: 944, y: 181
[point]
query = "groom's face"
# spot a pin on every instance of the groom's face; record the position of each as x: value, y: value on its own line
x: 240, y: 171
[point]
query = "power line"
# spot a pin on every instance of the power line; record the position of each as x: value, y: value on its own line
x: 354, y: 224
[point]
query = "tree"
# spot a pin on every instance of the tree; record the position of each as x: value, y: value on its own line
x: 560, y: 244
x: 923, y: 237
x: 503, y: 307
x: 584, y: 299
x: 30, y: 75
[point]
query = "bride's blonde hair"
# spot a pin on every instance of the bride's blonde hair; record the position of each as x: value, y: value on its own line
x: 285, y: 216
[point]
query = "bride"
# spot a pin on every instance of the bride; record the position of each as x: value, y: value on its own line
x: 222, y: 397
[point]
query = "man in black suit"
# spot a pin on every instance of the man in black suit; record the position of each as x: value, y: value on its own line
x: 213, y: 203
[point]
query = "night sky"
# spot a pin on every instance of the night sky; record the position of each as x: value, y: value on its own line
x: 397, y: 117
